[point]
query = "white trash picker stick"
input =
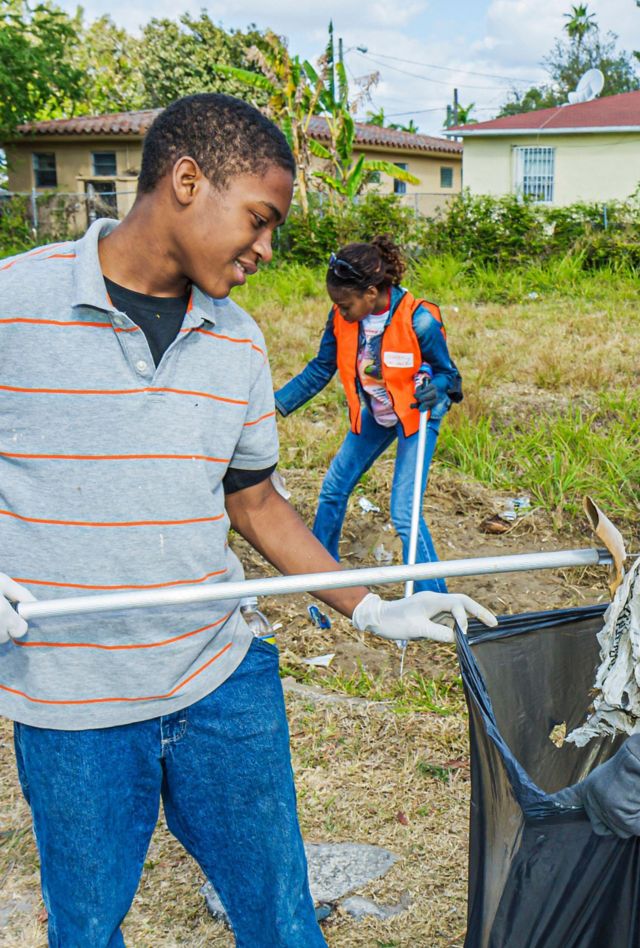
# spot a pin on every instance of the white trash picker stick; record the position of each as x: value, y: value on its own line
x: 310, y: 582
x: 416, y: 509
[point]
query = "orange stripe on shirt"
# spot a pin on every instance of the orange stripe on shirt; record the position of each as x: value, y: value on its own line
x: 176, y: 582
x: 67, y: 322
x: 122, y: 523
x: 113, y: 457
x: 51, y: 256
x: 218, y: 335
x: 169, y: 694
x: 257, y: 421
x: 119, y: 391
x: 124, y: 647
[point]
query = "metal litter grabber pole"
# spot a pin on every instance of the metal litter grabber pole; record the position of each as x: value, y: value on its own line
x: 311, y: 582
x: 416, y: 508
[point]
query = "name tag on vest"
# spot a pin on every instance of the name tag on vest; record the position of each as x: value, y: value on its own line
x: 399, y: 360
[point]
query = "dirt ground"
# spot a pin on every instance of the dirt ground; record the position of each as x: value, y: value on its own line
x: 366, y: 771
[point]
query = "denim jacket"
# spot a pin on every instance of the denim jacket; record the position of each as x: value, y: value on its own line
x: 319, y: 372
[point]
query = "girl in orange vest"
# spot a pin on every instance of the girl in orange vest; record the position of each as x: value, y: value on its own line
x: 391, y: 353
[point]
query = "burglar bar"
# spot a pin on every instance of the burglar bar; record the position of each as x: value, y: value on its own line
x: 312, y: 582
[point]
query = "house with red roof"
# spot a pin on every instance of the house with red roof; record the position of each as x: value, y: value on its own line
x: 589, y: 151
x: 101, y: 154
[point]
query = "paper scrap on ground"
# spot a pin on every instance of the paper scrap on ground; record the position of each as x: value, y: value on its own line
x: 320, y: 661
x: 365, y: 505
x: 382, y: 555
x: 616, y: 707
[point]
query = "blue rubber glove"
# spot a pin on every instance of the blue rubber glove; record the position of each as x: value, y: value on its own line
x: 611, y: 793
x: 426, y: 395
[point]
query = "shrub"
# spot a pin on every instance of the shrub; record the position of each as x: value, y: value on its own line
x: 16, y: 234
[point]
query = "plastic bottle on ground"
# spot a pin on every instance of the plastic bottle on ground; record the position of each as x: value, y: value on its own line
x: 256, y: 620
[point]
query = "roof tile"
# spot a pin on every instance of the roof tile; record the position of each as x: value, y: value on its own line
x: 137, y: 123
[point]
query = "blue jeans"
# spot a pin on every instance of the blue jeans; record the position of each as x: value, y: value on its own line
x: 223, y: 770
x: 355, y: 456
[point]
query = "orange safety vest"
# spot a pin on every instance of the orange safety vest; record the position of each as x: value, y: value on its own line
x: 400, y: 359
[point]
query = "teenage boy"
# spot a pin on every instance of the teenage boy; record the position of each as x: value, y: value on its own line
x: 136, y: 425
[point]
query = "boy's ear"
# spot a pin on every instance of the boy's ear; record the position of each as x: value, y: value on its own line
x: 186, y: 178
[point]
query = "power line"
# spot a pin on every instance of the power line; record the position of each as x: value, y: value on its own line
x: 468, y: 72
x: 440, y: 108
x: 414, y: 75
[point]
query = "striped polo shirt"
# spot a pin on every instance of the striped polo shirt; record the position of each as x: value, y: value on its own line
x: 111, y: 479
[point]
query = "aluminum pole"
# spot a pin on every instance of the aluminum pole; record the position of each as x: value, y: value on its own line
x: 416, y: 503
x: 311, y: 582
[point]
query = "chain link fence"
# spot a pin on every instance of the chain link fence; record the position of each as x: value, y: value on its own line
x: 28, y: 217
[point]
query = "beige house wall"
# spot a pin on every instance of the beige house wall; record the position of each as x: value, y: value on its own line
x: 591, y: 167
x: 73, y: 166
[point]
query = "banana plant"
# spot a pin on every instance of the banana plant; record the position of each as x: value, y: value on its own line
x: 295, y: 92
x: 348, y: 173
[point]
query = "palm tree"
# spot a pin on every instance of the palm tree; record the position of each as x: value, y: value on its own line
x: 579, y: 23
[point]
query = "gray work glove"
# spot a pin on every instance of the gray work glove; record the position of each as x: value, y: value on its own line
x: 411, y: 618
x: 426, y: 395
x: 611, y: 793
x: 12, y: 626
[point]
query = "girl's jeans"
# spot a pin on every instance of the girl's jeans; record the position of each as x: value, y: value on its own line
x: 223, y: 770
x: 355, y: 456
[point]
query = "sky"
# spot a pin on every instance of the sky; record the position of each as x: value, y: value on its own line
x: 422, y: 50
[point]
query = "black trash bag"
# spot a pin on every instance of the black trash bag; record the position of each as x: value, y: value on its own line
x: 538, y: 876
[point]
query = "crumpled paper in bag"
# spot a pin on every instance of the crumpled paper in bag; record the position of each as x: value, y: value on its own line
x: 616, y: 708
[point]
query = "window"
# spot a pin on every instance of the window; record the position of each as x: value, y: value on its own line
x: 101, y: 198
x: 446, y: 177
x: 400, y: 187
x: 44, y: 169
x: 534, y: 172
x: 104, y: 163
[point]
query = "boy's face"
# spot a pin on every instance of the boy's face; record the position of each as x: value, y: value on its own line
x: 222, y: 236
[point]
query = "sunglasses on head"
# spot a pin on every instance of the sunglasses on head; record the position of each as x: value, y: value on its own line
x: 344, y: 270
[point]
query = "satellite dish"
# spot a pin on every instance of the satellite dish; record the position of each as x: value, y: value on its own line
x: 591, y: 85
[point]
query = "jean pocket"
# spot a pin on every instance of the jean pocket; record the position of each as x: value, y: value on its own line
x: 266, y: 645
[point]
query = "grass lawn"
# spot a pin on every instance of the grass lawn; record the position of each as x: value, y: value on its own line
x: 552, y: 410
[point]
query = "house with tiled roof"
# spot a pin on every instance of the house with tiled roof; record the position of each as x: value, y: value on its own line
x: 589, y: 151
x: 101, y: 154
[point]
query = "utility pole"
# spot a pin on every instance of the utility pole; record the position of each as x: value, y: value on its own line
x: 455, y: 106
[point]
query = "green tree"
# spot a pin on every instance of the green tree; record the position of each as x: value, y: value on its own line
x: 109, y: 59
x: 580, y: 22
x: 180, y: 57
x: 585, y: 48
x: 37, y: 76
x: 379, y: 118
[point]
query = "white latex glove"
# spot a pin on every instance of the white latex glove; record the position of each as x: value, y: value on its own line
x: 12, y: 626
x: 411, y: 618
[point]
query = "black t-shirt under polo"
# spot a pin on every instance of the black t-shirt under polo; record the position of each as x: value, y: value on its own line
x: 160, y: 318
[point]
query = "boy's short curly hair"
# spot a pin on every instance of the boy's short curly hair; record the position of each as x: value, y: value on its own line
x: 225, y: 135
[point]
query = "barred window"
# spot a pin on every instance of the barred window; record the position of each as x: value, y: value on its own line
x: 534, y: 172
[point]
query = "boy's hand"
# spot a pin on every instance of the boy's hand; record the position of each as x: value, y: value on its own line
x: 411, y: 618
x: 12, y: 626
